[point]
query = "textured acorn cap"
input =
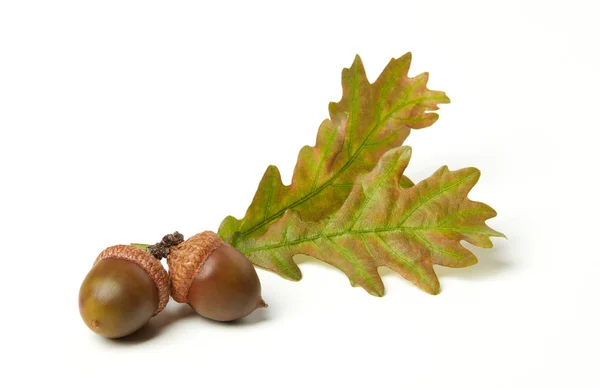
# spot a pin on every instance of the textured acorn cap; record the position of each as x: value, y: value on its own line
x: 186, y: 259
x: 146, y: 261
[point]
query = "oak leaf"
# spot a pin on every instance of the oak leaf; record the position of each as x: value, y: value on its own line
x: 383, y: 224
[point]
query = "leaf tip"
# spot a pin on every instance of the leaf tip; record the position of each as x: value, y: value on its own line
x: 474, y: 171
x: 356, y: 68
x: 444, y: 169
x: 376, y: 290
x: 332, y: 108
x: 427, y: 120
x: 290, y: 270
x: 399, y: 152
x: 471, y: 173
x: 403, y: 61
x: 434, y: 289
x: 498, y: 234
x: 407, y: 151
x: 378, y: 293
x: 272, y: 170
x: 431, y: 286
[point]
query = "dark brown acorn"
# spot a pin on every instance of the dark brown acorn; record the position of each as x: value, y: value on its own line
x: 123, y: 290
x: 214, y: 278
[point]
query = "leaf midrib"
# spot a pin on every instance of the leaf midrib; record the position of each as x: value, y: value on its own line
x: 397, y: 228
x: 356, y: 232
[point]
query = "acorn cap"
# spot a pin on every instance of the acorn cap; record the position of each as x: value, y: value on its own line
x: 146, y: 261
x: 186, y: 259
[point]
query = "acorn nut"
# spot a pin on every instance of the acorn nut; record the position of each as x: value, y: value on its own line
x: 214, y: 278
x: 123, y: 290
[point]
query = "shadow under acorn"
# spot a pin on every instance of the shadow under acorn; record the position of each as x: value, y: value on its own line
x: 177, y: 312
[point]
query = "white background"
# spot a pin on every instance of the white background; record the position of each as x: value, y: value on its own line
x: 121, y: 121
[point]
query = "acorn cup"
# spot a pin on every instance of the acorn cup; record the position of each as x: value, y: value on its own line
x: 124, y: 289
x: 214, y: 278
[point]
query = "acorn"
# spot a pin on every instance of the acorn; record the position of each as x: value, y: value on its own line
x: 214, y: 278
x: 124, y: 289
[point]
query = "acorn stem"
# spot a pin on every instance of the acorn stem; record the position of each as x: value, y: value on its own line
x: 160, y: 250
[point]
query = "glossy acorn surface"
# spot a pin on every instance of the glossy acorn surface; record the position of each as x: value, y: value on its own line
x: 117, y: 297
x: 217, y: 280
x: 226, y: 287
